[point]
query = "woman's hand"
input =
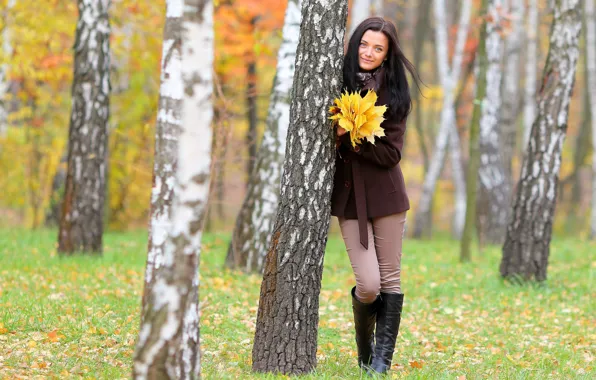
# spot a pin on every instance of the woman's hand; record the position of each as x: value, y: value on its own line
x: 341, y: 131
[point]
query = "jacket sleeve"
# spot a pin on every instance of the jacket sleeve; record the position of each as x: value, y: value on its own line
x: 386, y: 152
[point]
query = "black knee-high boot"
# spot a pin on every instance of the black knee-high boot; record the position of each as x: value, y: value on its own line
x: 388, y: 319
x: 365, y: 316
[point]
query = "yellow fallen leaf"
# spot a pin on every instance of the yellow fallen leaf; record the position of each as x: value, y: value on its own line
x: 32, y: 344
x: 416, y: 364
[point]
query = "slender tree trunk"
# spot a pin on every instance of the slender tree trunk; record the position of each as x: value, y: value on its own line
x: 168, y: 343
x: 527, y: 244
x: 254, y: 225
x: 167, y: 132
x: 81, y: 223
x: 474, y: 160
x: 447, y: 130
x: 494, y: 191
x: 422, y: 27
x: 510, y: 89
x: 287, y: 320
x: 4, y: 82
x: 251, y: 103
x: 590, y: 19
x: 531, y: 57
x: 360, y: 11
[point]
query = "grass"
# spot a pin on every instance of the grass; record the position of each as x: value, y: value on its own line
x: 78, y: 317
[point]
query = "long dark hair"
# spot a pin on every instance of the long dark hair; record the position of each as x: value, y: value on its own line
x: 395, y: 66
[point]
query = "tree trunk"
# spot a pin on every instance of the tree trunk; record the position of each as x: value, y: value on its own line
x: 510, y: 88
x: 254, y: 224
x: 494, y: 191
x: 474, y: 159
x: 287, y: 320
x: 251, y: 103
x: 360, y: 11
x: 447, y: 131
x: 590, y: 18
x: 4, y: 83
x: 527, y: 244
x: 167, y: 132
x: 421, y: 28
x: 168, y: 343
x: 531, y: 57
x: 81, y: 223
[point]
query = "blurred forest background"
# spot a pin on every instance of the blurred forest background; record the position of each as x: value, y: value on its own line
x: 36, y: 60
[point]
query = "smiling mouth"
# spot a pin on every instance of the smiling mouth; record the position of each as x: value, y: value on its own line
x: 367, y: 61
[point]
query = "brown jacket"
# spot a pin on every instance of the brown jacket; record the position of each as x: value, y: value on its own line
x: 368, y: 181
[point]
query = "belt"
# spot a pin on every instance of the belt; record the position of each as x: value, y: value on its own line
x: 360, y: 198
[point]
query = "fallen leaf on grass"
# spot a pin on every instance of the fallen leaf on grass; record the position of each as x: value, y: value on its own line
x: 416, y: 364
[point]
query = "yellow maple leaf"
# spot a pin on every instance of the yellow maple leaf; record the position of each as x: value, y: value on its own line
x: 359, y: 116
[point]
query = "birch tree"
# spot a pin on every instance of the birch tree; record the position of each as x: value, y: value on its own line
x: 287, y: 320
x: 4, y: 84
x: 493, y: 196
x: 474, y: 143
x: 447, y: 134
x: 510, y: 108
x: 254, y: 224
x: 167, y: 132
x: 527, y: 243
x: 81, y: 222
x: 590, y: 21
x: 359, y: 12
x: 530, y: 80
x: 168, y: 343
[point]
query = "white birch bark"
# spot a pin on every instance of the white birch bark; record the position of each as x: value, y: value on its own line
x: 493, y: 196
x: 447, y: 134
x: 527, y: 244
x: 359, y: 12
x: 511, y: 86
x: 256, y: 218
x: 287, y: 319
x: 168, y: 344
x: 531, y: 57
x: 81, y: 222
x: 4, y: 84
x: 167, y: 132
x: 590, y: 20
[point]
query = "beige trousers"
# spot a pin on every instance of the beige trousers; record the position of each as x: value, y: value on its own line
x: 377, y: 268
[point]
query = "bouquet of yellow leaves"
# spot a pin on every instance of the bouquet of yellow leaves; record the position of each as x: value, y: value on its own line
x: 359, y: 116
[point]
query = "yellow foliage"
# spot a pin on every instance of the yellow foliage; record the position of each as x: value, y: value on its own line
x: 359, y: 116
x: 40, y: 70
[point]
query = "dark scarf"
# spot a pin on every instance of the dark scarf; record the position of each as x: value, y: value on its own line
x: 371, y: 80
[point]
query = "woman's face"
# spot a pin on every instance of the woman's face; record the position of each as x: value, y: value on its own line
x: 373, y: 50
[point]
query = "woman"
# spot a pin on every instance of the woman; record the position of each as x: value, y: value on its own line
x: 369, y: 196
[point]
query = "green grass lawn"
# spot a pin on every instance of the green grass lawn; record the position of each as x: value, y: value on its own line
x: 78, y: 317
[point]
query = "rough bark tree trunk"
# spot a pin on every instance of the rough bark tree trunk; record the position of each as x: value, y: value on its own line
x: 494, y: 191
x: 81, y: 223
x: 447, y: 134
x: 168, y: 343
x: 167, y: 132
x: 474, y: 159
x: 360, y: 10
x: 255, y: 220
x: 530, y: 79
x: 590, y: 19
x: 287, y: 320
x: 510, y: 88
x: 527, y: 244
